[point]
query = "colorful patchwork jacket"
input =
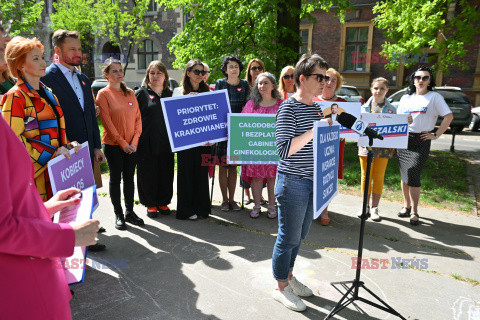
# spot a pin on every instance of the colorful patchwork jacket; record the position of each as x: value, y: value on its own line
x: 39, y: 124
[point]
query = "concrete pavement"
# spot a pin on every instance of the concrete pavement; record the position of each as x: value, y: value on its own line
x: 220, y: 268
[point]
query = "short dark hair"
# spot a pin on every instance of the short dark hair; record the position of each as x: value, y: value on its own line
x: 412, y: 89
x: 60, y: 35
x: 306, y: 64
x: 225, y: 62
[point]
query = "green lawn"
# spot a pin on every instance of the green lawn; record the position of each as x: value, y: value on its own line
x: 444, y: 180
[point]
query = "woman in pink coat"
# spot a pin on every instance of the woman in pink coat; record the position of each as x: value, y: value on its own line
x: 32, y: 282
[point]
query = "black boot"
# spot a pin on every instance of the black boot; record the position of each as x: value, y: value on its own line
x: 120, y: 221
x: 132, y: 218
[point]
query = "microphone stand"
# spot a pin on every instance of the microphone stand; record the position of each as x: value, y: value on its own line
x: 357, y: 283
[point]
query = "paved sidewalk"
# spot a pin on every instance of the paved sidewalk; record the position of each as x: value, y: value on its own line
x: 220, y: 268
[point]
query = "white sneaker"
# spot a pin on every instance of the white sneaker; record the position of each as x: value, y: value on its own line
x: 289, y: 299
x: 194, y: 217
x: 359, y: 214
x: 299, y: 288
x: 374, y: 214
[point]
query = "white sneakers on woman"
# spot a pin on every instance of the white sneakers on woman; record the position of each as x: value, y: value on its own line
x: 299, y: 288
x: 289, y: 299
x: 290, y: 296
x: 373, y: 212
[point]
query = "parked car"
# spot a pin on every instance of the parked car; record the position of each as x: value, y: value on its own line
x: 98, y: 84
x: 475, y: 123
x: 456, y: 99
x: 102, y: 83
x: 349, y: 93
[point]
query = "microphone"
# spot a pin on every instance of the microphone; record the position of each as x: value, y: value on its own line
x: 357, y: 125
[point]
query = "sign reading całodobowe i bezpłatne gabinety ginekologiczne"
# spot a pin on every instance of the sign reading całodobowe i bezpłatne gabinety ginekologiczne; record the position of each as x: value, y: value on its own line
x: 251, y: 139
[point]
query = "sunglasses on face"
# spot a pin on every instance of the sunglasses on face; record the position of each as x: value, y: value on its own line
x: 256, y: 68
x: 424, y: 78
x: 198, y: 72
x: 320, y: 77
x: 288, y: 76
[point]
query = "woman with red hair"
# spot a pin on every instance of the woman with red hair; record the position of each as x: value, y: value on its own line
x: 33, y: 111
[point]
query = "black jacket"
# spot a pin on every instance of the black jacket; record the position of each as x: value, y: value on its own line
x: 154, y: 138
x: 81, y: 125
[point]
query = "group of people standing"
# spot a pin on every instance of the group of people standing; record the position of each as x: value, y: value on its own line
x: 50, y: 119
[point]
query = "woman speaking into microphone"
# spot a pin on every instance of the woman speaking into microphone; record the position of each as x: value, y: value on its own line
x: 294, y: 187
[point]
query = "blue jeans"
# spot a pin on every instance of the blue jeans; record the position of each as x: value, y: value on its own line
x: 295, y: 214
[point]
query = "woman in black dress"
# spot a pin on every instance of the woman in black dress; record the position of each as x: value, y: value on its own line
x: 193, y: 198
x: 155, y: 161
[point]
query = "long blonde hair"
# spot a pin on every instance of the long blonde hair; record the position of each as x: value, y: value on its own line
x: 281, y: 86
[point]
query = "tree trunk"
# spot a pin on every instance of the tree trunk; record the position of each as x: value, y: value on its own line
x: 288, y: 17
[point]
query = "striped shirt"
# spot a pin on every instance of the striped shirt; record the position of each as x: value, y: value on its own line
x: 294, y: 119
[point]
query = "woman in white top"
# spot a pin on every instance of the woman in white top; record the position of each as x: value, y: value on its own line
x: 424, y: 105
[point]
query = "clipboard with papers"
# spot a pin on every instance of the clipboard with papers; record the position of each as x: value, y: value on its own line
x: 74, y: 266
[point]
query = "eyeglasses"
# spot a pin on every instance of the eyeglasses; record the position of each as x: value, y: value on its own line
x: 424, y: 78
x: 288, y: 76
x: 198, y: 72
x: 256, y: 68
x: 320, y: 77
x: 234, y: 67
x: 207, y: 72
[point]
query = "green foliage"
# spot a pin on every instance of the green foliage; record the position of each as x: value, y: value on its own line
x: 247, y: 28
x: 76, y: 15
x: 119, y: 20
x: 415, y: 25
x: 24, y: 14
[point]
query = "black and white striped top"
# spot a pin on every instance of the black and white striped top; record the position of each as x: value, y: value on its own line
x: 293, y: 119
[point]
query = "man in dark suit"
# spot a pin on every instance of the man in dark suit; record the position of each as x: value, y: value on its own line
x: 74, y: 92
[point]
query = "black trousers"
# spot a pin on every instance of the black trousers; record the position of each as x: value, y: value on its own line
x: 120, y: 163
x: 192, y: 183
x: 155, y: 178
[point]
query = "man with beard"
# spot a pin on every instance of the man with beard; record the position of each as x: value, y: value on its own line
x: 74, y: 92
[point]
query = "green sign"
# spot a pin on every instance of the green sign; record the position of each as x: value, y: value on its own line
x: 251, y: 139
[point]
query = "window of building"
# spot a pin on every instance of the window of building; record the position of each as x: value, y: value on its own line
x: 356, y: 49
x: 147, y: 52
x: 152, y: 6
x: 306, y: 38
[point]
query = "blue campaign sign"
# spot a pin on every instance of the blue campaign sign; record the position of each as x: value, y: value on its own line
x: 326, y: 145
x: 193, y: 120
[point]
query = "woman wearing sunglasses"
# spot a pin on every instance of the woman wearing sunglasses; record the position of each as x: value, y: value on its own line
x: 294, y: 187
x: 333, y: 82
x: 424, y: 105
x: 254, y: 68
x: 193, y: 199
x: 287, y: 83
x: 238, y: 92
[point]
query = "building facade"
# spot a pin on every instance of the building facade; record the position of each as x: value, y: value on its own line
x: 353, y: 48
x: 153, y: 47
